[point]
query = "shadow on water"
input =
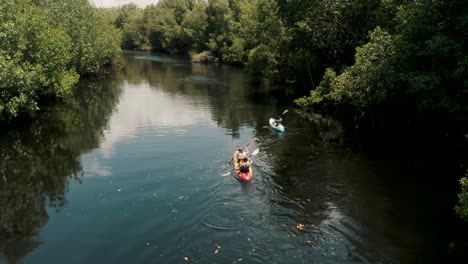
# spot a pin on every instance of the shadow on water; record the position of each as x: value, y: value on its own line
x: 38, y: 162
x: 397, y: 199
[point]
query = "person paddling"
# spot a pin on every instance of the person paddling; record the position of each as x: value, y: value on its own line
x: 278, y: 121
x: 242, y: 154
x: 245, y: 164
x: 243, y: 160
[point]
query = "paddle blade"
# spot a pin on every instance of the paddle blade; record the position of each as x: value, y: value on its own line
x: 255, y: 152
x: 226, y: 174
x: 285, y: 111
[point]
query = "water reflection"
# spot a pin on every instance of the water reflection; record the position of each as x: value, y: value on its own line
x: 38, y: 162
x: 328, y: 128
x: 234, y: 98
x: 145, y: 108
x: 160, y: 58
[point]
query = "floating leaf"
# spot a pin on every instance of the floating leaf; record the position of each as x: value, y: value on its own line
x: 299, y: 226
x: 186, y: 258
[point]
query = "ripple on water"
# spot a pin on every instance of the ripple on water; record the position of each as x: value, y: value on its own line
x: 156, y: 58
x: 339, y: 238
x: 228, y: 216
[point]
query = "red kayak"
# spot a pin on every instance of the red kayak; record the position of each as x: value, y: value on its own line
x: 241, y: 175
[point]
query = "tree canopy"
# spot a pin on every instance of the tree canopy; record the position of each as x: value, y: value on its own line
x: 45, y: 46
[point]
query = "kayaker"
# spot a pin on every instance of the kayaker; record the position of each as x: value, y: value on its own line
x: 278, y: 121
x: 245, y: 164
x: 242, y: 154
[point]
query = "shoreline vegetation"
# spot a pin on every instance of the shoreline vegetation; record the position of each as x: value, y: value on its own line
x: 380, y: 64
x: 45, y: 47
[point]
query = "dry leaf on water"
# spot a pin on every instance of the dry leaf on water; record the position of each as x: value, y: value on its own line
x: 300, y: 226
x: 218, y: 248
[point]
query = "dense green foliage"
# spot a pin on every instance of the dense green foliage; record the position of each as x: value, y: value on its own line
x: 362, y: 85
x: 34, y: 59
x: 45, y: 46
x: 284, y: 41
x: 96, y: 44
x: 462, y: 206
x: 423, y: 63
x: 325, y: 33
x: 240, y: 32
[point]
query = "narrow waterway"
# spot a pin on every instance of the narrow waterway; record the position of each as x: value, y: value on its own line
x: 135, y: 171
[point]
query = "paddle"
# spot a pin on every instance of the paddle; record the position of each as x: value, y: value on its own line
x: 284, y: 112
x: 255, y: 152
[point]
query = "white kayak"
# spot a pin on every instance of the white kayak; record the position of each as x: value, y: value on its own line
x: 279, y: 128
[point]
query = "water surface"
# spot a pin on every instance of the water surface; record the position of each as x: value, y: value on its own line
x: 132, y: 172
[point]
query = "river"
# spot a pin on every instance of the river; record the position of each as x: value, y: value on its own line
x: 137, y: 170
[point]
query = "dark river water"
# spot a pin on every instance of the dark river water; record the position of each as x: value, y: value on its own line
x: 137, y: 170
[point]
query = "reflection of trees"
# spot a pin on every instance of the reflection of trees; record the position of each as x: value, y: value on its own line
x: 228, y: 90
x: 38, y: 161
x: 328, y: 128
x: 16, y: 248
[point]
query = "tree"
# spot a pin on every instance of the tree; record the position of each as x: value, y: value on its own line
x: 266, y: 57
x: 127, y: 14
x: 365, y: 84
x: 325, y: 33
x: 95, y: 43
x: 34, y: 59
x: 164, y: 25
x: 432, y: 55
x: 194, y: 25
x: 220, y: 27
x: 462, y: 207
